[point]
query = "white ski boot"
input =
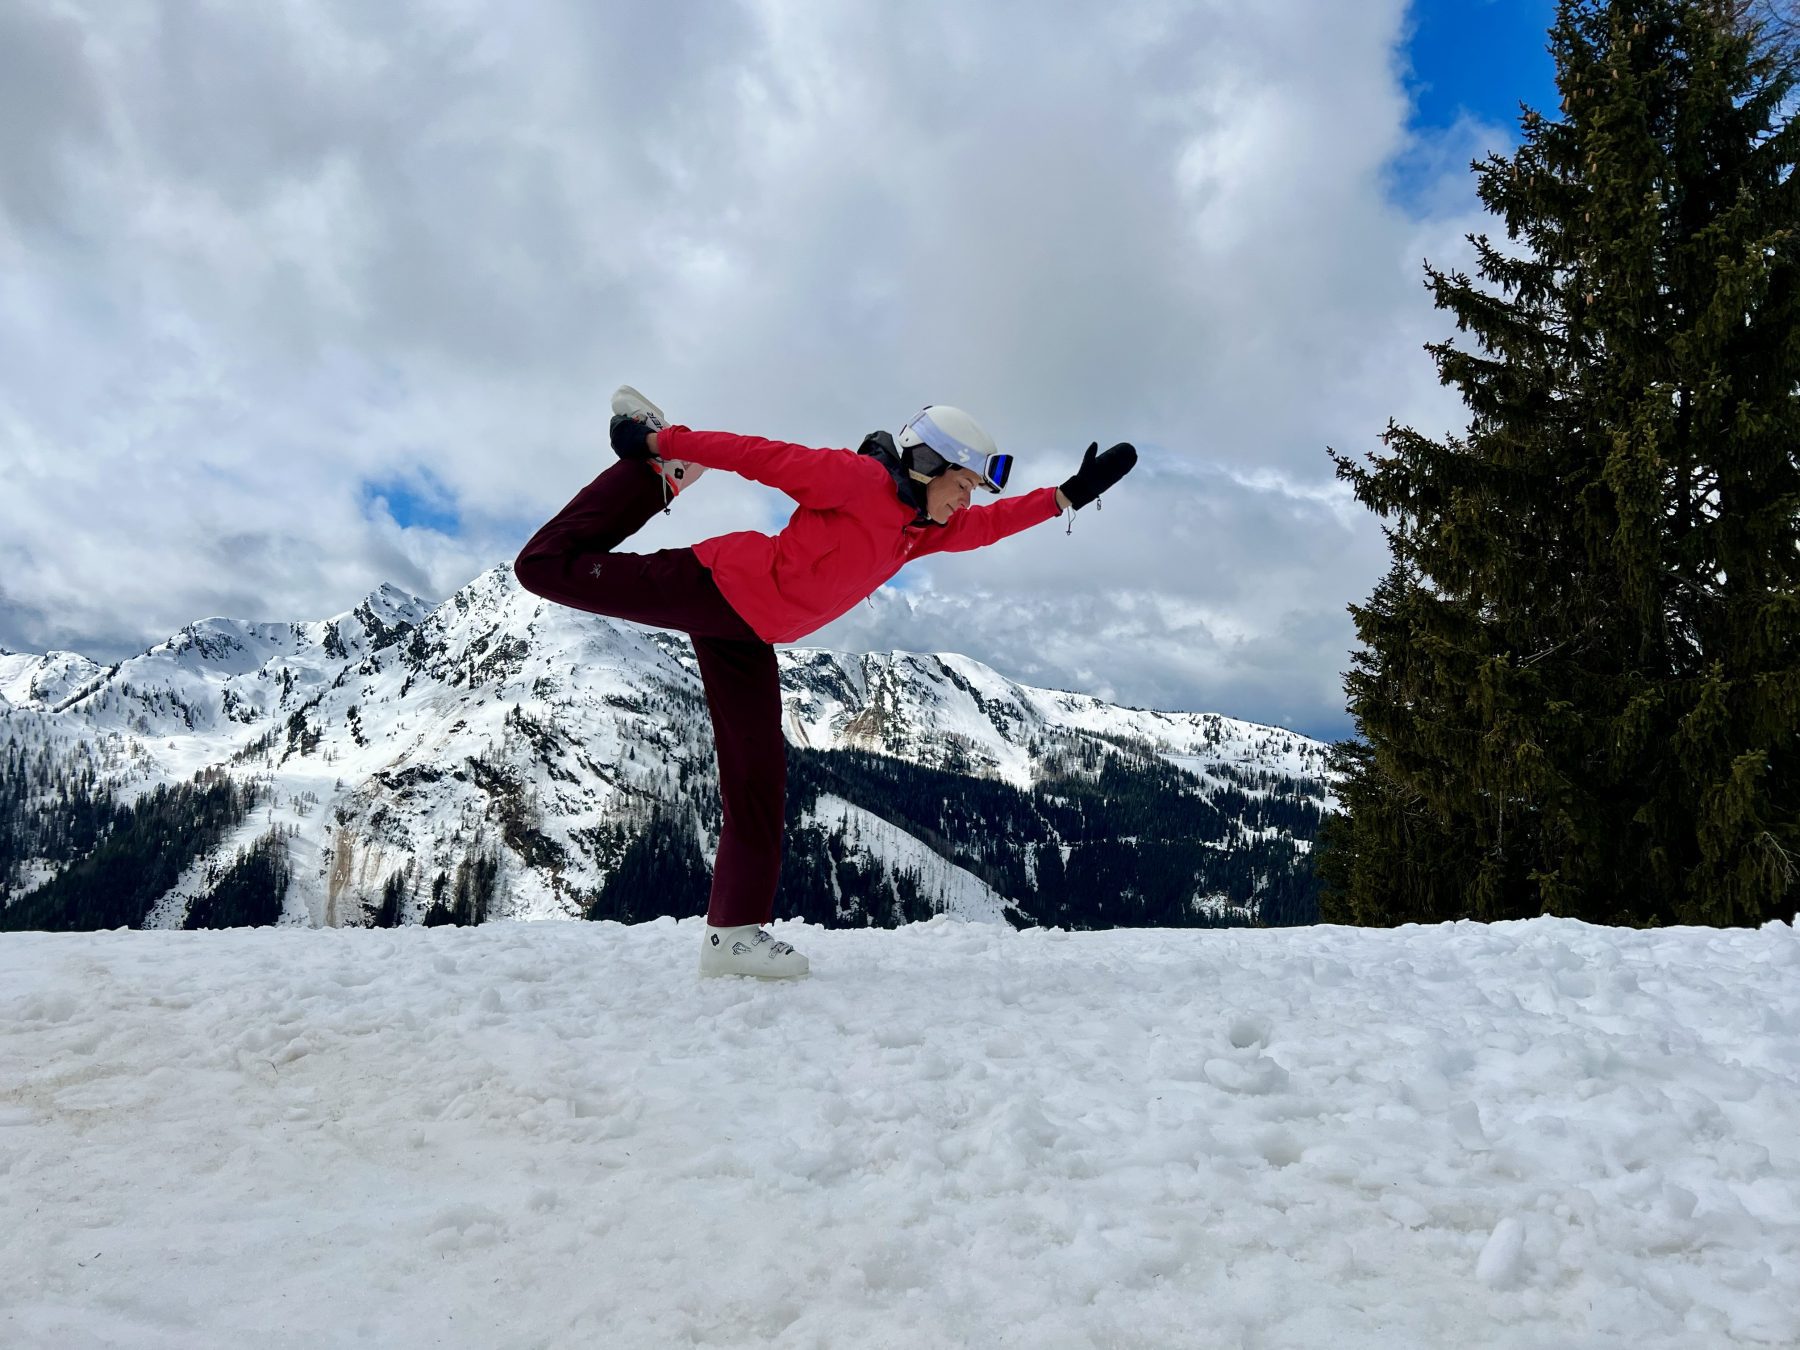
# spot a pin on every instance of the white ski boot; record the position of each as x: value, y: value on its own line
x: 749, y: 950
x: 675, y: 473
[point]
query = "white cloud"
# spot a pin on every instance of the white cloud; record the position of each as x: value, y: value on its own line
x: 254, y: 258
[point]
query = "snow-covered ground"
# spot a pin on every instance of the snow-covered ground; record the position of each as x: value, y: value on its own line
x: 546, y: 1135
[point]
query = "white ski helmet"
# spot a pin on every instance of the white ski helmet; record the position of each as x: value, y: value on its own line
x: 953, y: 437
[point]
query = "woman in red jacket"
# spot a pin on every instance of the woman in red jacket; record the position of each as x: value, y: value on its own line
x: 861, y: 517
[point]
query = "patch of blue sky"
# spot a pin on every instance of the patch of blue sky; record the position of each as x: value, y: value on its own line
x: 415, y: 500
x: 1463, y: 62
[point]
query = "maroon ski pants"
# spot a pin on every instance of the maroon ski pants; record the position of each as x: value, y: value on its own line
x: 571, y: 561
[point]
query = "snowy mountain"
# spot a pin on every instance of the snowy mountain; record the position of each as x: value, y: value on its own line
x: 498, y: 756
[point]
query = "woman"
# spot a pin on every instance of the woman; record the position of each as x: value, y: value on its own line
x: 862, y: 516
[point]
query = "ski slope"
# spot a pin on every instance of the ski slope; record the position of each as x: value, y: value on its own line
x: 954, y: 1134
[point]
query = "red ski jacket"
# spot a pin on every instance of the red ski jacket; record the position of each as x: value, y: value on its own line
x: 850, y: 534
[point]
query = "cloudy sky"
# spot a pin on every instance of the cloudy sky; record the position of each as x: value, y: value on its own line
x: 298, y: 298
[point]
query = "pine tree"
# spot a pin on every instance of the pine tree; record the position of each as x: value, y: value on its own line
x: 1579, y: 684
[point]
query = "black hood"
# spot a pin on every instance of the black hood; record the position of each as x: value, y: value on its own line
x: 881, y: 445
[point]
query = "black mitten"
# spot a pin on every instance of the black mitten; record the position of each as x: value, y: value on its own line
x: 1099, y: 472
x: 630, y: 438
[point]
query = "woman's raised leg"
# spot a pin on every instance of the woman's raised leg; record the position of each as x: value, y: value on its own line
x: 571, y: 561
x: 599, y: 518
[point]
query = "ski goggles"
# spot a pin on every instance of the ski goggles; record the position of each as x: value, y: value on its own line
x: 994, y: 469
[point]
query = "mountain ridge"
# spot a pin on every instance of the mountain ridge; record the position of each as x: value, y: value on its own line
x: 400, y: 739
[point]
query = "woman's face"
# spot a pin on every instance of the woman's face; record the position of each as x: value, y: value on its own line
x: 949, y: 492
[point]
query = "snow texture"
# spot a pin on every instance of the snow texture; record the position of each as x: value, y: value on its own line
x: 954, y: 1134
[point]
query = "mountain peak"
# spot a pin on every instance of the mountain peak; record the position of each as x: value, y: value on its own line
x: 395, y: 603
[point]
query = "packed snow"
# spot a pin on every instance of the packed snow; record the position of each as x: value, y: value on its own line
x: 954, y: 1134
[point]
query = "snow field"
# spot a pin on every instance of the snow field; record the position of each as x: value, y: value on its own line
x: 525, y: 1135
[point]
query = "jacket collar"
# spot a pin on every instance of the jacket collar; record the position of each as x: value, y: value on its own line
x: 911, y: 492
